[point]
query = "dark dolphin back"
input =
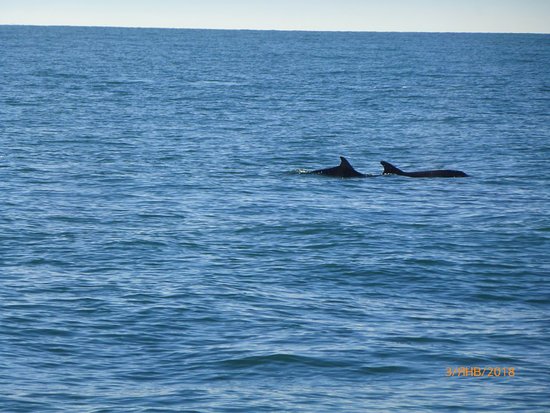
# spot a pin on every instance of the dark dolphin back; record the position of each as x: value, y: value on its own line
x: 344, y: 170
x: 438, y: 173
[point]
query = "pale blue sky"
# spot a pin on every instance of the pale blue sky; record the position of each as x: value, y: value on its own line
x: 528, y: 16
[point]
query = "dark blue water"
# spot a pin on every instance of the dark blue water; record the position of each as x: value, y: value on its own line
x: 160, y: 252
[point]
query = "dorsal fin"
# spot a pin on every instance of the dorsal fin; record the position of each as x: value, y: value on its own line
x: 390, y: 169
x: 344, y: 163
x: 346, y: 170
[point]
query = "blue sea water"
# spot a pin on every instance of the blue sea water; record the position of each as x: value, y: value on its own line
x: 161, y: 252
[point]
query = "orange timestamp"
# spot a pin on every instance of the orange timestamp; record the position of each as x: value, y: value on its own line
x: 481, y: 372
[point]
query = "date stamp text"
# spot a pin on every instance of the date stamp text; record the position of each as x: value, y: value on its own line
x: 480, y: 372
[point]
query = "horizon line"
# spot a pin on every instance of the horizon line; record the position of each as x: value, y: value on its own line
x: 265, y: 29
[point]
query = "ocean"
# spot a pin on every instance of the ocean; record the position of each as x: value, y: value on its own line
x: 161, y: 251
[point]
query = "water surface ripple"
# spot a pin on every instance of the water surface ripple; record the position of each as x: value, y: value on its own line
x: 160, y: 252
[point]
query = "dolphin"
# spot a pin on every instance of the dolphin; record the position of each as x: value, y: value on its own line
x: 344, y: 170
x: 389, y: 169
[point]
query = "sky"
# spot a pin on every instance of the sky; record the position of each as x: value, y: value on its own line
x: 502, y: 16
